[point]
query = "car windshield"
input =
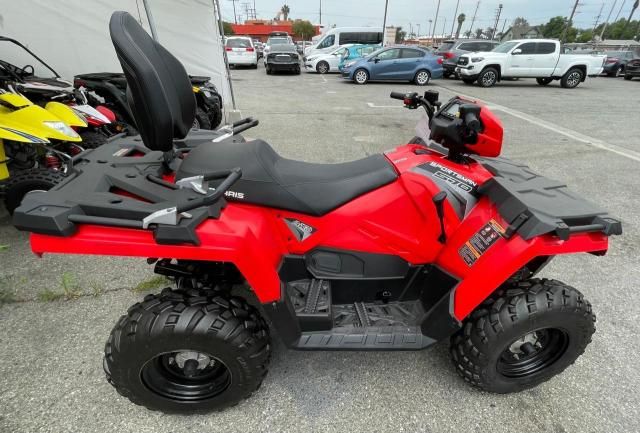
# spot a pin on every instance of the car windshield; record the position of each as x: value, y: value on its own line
x: 505, y: 47
x: 238, y: 43
x: 277, y: 41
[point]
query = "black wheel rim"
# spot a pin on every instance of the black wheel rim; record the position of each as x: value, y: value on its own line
x: 163, y: 376
x: 533, y: 352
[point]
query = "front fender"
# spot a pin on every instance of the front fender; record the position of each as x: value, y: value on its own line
x: 481, y: 274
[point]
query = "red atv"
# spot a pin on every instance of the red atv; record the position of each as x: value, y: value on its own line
x: 433, y: 240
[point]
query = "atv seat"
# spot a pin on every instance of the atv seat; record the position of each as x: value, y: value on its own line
x: 268, y: 179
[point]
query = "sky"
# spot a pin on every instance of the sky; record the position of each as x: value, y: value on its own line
x: 411, y: 13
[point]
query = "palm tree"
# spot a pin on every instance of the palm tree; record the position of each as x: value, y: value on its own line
x: 461, y: 19
x: 285, y: 12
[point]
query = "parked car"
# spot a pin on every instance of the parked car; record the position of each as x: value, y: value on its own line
x: 356, y: 52
x: 632, y: 69
x: 325, y: 62
x: 451, y: 51
x: 616, y: 62
x: 277, y: 40
x: 240, y: 51
x: 345, y: 35
x: 282, y: 58
x: 528, y: 58
x: 398, y: 63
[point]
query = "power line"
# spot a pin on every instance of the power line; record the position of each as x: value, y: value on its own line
x: 597, y: 21
x: 474, y: 17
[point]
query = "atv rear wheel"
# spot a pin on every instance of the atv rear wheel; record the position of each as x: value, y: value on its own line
x: 24, y: 181
x: 525, y: 336
x: 186, y: 351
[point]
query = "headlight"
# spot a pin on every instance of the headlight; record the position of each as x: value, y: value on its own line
x: 349, y: 64
x: 311, y: 59
x: 477, y: 59
x: 62, y: 128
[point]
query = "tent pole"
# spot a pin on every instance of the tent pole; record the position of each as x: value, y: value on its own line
x: 152, y: 23
x: 216, y: 8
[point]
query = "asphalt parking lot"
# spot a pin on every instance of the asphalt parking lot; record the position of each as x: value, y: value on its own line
x: 51, y: 377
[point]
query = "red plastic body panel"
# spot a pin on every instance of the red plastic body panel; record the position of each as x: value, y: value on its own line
x: 398, y: 219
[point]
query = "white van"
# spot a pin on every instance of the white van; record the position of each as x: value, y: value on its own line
x: 345, y: 35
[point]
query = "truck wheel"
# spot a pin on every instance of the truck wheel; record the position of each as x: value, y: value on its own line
x: 523, y: 337
x: 544, y: 81
x: 322, y: 67
x: 571, y: 79
x: 24, y: 181
x: 187, y: 351
x: 488, y: 77
x: 628, y: 77
x: 201, y: 121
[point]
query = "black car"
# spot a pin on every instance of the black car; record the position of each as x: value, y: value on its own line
x: 282, y: 58
x: 632, y: 69
x: 616, y: 62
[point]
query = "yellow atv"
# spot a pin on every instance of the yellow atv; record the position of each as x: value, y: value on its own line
x: 36, y: 145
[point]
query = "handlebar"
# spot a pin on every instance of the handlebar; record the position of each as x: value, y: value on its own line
x: 249, y: 122
x: 397, y: 95
x: 469, y: 114
x: 232, y: 176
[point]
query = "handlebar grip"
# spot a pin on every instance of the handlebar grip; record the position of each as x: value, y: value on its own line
x: 234, y: 175
x: 245, y: 126
x: 397, y: 95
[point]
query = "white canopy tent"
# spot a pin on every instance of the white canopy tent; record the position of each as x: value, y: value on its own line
x: 73, y: 35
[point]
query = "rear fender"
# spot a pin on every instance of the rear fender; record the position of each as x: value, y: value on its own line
x: 483, y: 272
x: 243, y: 235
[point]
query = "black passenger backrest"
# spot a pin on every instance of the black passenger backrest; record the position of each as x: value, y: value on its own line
x: 158, y: 87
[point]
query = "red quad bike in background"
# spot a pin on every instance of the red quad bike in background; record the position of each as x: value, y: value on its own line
x: 433, y: 240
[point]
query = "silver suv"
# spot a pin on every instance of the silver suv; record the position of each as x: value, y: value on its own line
x: 452, y: 49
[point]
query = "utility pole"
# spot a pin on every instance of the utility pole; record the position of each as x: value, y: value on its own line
x: 633, y: 9
x: 606, y: 23
x: 455, y: 16
x: 385, y: 12
x: 430, y: 22
x: 235, y: 17
x: 433, y: 35
x: 504, y: 25
x: 566, y: 28
x: 473, y: 20
x: 418, y: 29
x: 597, y: 21
x: 620, y: 11
x: 495, y: 26
x: 444, y: 25
x: 384, y: 22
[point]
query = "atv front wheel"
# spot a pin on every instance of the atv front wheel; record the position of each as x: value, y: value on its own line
x: 186, y: 351
x: 24, y: 181
x: 201, y: 120
x: 92, y: 139
x: 524, y: 337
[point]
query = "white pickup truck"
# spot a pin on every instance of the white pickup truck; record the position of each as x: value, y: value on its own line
x: 541, y: 59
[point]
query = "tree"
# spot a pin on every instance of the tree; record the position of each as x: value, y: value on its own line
x: 554, y: 28
x: 285, y: 12
x: 585, y: 36
x: 461, y: 19
x: 303, y: 29
x: 400, y: 35
x: 468, y: 34
x: 227, y: 29
x: 520, y: 22
x: 488, y: 33
x: 479, y: 33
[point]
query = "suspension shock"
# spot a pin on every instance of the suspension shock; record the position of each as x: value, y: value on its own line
x: 52, y: 162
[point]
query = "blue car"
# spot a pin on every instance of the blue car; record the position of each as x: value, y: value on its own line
x: 357, y: 52
x: 397, y: 63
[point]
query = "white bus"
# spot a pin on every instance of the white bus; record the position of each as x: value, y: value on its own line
x: 345, y: 35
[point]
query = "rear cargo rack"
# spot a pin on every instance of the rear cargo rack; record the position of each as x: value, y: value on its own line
x: 534, y: 205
